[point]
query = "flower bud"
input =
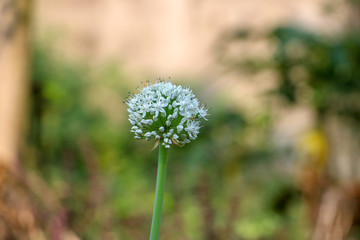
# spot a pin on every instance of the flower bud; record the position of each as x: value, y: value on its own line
x: 163, y: 108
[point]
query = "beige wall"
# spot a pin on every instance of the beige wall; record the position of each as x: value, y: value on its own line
x: 168, y: 37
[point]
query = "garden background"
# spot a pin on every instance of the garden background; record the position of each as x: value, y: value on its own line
x: 277, y: 159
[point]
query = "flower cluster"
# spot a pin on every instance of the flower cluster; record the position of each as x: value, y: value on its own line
x: 166, y: 112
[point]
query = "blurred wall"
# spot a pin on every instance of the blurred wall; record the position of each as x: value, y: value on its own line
x: 169, y: 37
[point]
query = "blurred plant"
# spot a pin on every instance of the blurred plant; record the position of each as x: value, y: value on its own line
x: 328, y: 67
x: 66, y: 138
x: 311, y: 67
x: 104, y: 185
x: 322, y: 73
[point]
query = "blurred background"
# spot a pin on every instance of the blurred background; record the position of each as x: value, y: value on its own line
x: 277, y: 160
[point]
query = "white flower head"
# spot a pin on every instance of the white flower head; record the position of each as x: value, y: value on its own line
x: 166, y: 112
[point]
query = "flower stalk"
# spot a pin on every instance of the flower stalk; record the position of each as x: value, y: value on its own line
x: 169, y: 114
x: 159, y: 193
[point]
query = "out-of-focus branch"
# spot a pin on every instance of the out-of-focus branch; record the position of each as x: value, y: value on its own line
x: 336, y: 214
x: 18, y: 190
x: 14, y: 63
x: 15, y: 208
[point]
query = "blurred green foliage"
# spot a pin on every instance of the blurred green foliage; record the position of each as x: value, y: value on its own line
x: 322, y: 71
x: 226, y: 185
x: 327, y: 66
x: 318, y: 71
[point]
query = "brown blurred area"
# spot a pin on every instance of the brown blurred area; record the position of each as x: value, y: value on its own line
x: 177, y: 39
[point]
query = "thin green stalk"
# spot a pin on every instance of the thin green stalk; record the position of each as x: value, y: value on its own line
x: 159, y: 192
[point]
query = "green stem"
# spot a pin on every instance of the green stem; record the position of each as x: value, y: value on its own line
x: 159, y: 193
